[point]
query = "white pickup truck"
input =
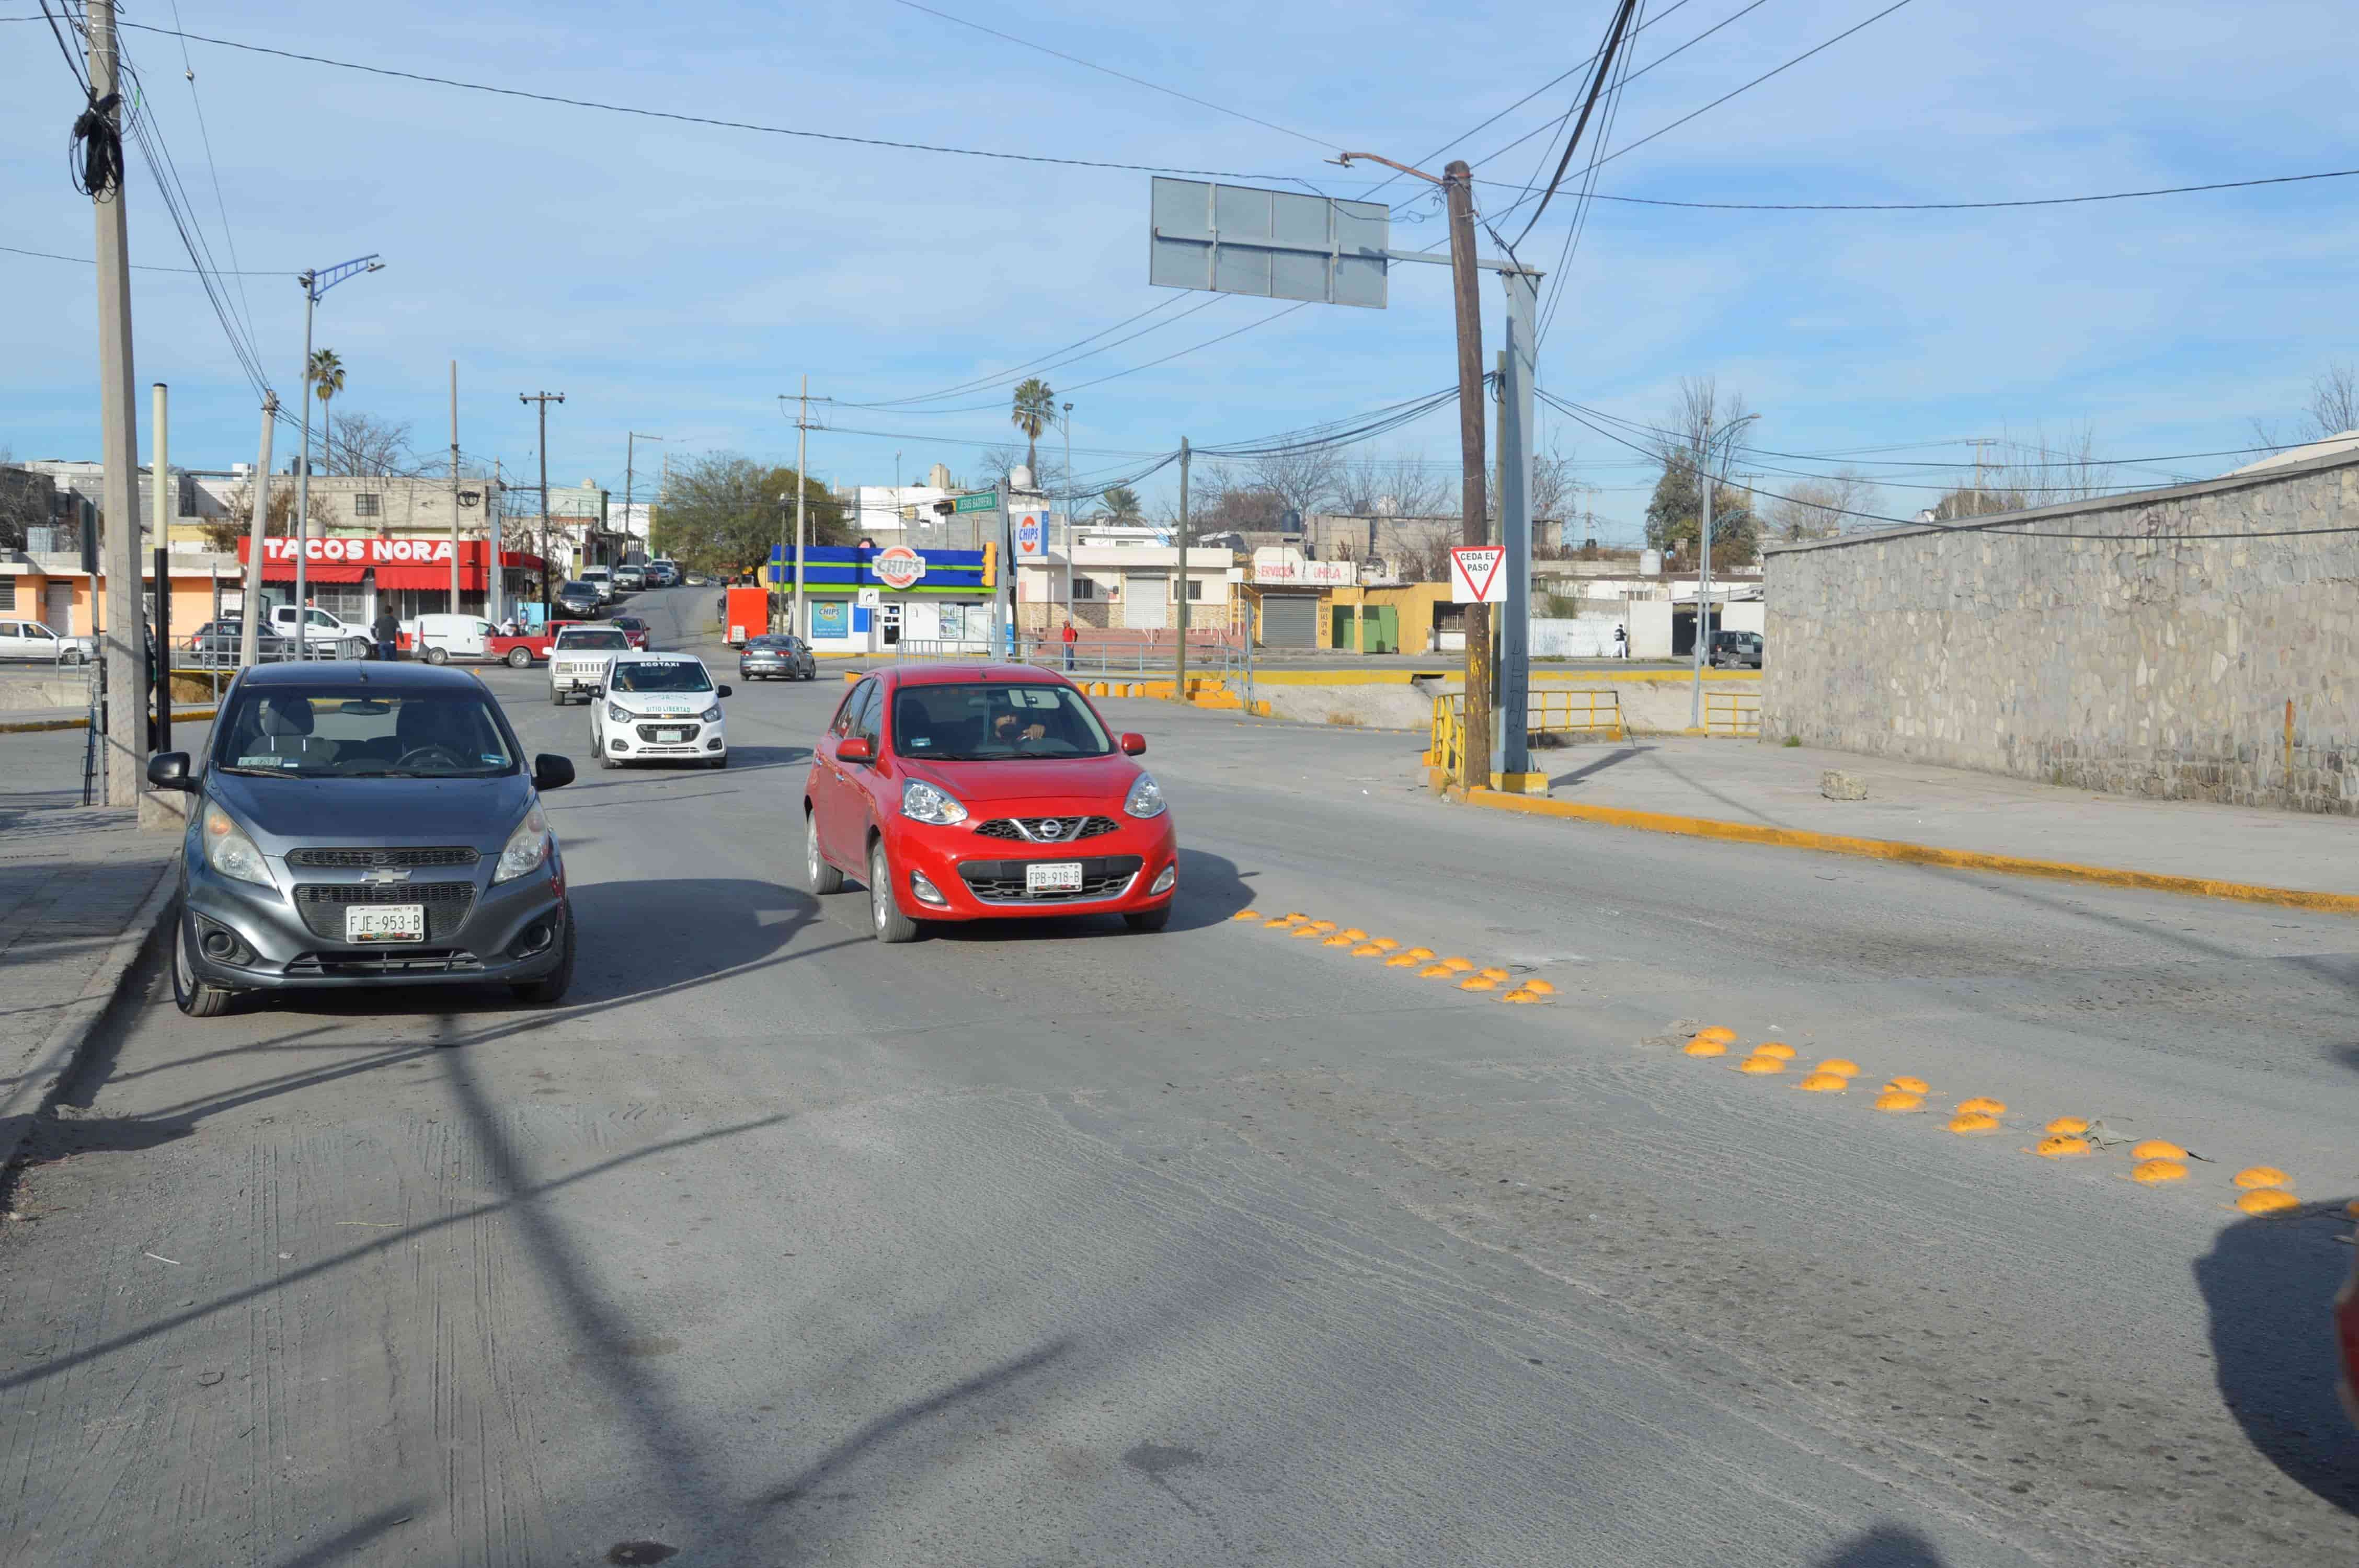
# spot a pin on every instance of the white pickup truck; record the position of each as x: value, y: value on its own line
x: 577, y: 661
x: 350, y: 641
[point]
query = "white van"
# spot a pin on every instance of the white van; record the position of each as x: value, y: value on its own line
x: 439, y: 639
x: 602, y: 580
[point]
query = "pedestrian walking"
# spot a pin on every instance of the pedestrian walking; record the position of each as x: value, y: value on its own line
x: 387, y: 628
x: 1621, y: 640
x: 1072, y: 637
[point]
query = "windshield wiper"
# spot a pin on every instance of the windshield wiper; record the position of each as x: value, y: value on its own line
x: 257, y: 772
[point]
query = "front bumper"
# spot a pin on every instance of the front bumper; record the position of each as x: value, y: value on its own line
x: 508, y: 934
x: 980, y: 878
x: 637, y: 741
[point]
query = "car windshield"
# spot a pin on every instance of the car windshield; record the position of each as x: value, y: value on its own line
x: 596, y: 642
x: 988, y: 720
x: 351, y: 732
x: 659, y: 674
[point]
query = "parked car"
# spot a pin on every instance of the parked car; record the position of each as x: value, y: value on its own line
x: 2346, y: 1334
x: 659, y: 707
x: 351, y: 640
x: 218, y: 644
x: 31, y: 642
x: 440, y: 639
x: 632, y: 627
x: 777, y: 657
x: 1734, y: 650
x: 577, y: 661
x: 602, y: 580
x: 629, y: 577
x: 365, y: 826
x: 580, y: 600
x: 975, y: 792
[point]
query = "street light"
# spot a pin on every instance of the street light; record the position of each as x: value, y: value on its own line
x: 315, y: 283
x: 1703, y: 577
x: 1069, y: 532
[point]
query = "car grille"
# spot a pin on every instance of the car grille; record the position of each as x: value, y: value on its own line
x: 448, y: 904
x: 457, y: 855
x: 650, y: 732
x: 1002, y: 882
x: 1046, y: 829
x: 394, y: 961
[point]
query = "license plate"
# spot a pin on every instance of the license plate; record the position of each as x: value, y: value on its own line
x: 384, y: 923
x: 1053, y: 876
x: 670, y: 737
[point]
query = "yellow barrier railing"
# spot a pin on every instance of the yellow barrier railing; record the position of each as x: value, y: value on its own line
x: 1732, y: 712
x: 1545, y: 713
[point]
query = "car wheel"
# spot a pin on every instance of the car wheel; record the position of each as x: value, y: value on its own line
x: 556, y: 697
x: 822, y: 877
x: 883, y: 909
x: 357, y: 650
x: 1148, y: 919
x: 192, y: 996
x: 437, y: 656
x: 73, y: 656
x: 550, y: 988
x: 520, y: 658
x: 720, y: 761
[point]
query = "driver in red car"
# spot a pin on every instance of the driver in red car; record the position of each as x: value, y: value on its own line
x: 1007, y: 727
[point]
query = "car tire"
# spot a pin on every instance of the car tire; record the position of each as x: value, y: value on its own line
x: 556, y: 697
x: 437, y: 656
x: 823, y: 878
x: 358, y: 651
x: 606, y: 757
x: 550, y: 988
x: 519, y: 658
x: 885, y: 915
x: 720, y: 761
x: 1148, y: 919
x: 73, y: 656
x: 193, y: 997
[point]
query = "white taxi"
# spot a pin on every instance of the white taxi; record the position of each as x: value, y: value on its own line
x: 659, y: 707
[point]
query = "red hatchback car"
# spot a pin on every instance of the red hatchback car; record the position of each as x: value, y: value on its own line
x: 974, y: 792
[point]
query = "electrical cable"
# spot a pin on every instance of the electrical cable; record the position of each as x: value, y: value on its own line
x: 1978, y: 206
x: 220, y: 204
x: 136, y: 267
x: 1622, y: 14
x: 1050, y: 360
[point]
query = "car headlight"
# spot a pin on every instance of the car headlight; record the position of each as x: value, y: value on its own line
x: 921, y: 802
x: 614, y: 711
x: 527, y: 849
x: 1145, y: 798
x: 711, y: 715
x: 229, y: 851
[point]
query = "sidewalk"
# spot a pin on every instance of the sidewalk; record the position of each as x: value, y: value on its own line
x: 1770, y: 787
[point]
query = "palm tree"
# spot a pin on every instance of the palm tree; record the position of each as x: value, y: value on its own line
x: 1122, y: 502
x: 1035, y: 410
x: 327, y: 376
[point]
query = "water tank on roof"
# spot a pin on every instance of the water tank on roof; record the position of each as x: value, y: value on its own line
x: 1650, y: 563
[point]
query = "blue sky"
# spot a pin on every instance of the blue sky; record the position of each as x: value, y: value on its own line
x: 673, y: 279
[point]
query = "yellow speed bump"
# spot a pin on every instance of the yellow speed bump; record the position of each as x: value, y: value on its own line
x: 1700, y: 1046
x: 1306, y: 933
x: 1719, y: 1032
x: 2158, y: 1148
x: 1247, y: 915
x: 1899, y: 1100
x: 1777, y: 1048
x: 1457, y: 966
x: 2269, y: 1200
x: 1909, y: 1086
x: 2062, y: 1148
x: 1983, y: 1104
x: 1539, y: 987
x: 1525, y: 994
x: 2154, y: 1172
x: 1757, y: 1063
x: 1413, y: 956
x: 1973, y: 1121
x: 1436, y: 972
x: 2259, y: 1176
x: 1345, y: 937
x: 1478, y: 983
x: 1842, y: 1068
x: 1375, y: 949
x: 1824, y: 1083
x: 1277, y: 922
x: 1494, y: 973
x: 2070, y: 1127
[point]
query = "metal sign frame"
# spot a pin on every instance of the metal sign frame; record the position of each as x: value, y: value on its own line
x: 1277, y: 245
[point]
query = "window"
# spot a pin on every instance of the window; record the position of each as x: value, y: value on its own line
x: 659, y: 675
x: 865, y: 725
x: 353, y: 732
x: 368, y: 503
x: 1195, y: 588
x: 1085, y: 587
x: 843, y: 725
x: 984, y: 720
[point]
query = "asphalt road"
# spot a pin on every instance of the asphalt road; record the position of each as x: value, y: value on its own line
x: 1052, y: 1244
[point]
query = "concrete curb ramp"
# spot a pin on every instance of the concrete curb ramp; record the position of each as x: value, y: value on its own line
x: 54, y: 1061
x: 1912, y: 854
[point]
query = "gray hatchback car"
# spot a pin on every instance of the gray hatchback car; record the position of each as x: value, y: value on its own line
x: 365, y: 825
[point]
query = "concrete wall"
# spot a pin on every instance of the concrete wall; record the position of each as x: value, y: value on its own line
x: 1590, y: 636
x: 2138, y: 647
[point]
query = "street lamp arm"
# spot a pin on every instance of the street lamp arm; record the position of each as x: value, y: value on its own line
x: 318, y: 281
x: 1378, y: 158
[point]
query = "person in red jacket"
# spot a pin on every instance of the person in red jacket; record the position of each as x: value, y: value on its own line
x: 1072, y: 637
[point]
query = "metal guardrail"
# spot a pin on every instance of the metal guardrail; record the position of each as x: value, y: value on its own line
x: 1546, y: 713
x: 1732, y: 712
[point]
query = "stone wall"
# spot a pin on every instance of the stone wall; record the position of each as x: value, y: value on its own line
x: 2142, y: 645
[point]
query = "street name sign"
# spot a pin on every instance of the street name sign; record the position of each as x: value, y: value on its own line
x: 977, y: 501
x: 1474, y: 574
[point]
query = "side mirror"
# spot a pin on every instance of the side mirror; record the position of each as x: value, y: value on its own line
x: 170, y: 770
x: 855, y: 749
x: 1134, y: 745
x: 719, y: 692
x: 550, y: 771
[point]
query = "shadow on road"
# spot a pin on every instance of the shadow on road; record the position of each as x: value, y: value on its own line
x: 1886, y: 1546
x: 1610, y: 759
x: 2268, y: 1284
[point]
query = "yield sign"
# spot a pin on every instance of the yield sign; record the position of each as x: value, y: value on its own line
x: 1475, y: 574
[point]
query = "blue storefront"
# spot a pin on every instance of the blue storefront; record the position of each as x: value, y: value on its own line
x: 946, y: 606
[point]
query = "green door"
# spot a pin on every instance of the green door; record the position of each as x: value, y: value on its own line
x: 1339, y: 628
x: 1380, y: 629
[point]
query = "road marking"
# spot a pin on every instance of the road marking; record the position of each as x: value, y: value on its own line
x: 2070, y: 1127
x: 1700, y: 1046
x: 2062, y: 1148
x: 2262, y: 1176
x: 1841, y: 1066
x: 1982, y: 1105
x: 2158, y: 1148
x: 1824, y: 1083
x: 1757, y: 1063
x: 1777, y: 1048
x: 2268, y: 1201
x: 1909, y: 1086
x: 1973, y: 1121
x: 1899, y: 1100
x: 2152, y: 1172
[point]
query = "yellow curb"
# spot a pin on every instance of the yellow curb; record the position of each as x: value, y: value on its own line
x: 37, y: 726
x: 1913, y: 854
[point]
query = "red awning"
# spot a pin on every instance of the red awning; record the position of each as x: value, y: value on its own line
x: 471, y: 576
x: 318, y: 571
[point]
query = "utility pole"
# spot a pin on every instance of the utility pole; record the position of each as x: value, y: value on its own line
x: 1710, y: 480
x: 1069, y: 513
x: 127, y: 671
x: 1179, y: 582
x: 160, y: 438
x: 802, y: 488
x: 454, y: 493
x: 1980, y: 442
x: 1458, y: 188
x: 544, y: 399
x: 630, y: 440
x: 249, y: 623
x: 315, y: 282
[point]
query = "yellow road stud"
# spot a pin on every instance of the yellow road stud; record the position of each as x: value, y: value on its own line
x: 1973, y: 1121
x: 1984, y: 1104
x: 2061, y: 1148
x: 2269, y: 1200
x: 2158, y: 1148
x: 1757, y: 1063
x: 1909, y: 1086
x: 1700, y: 1046
x: 1899, y: 1099
x: 1246, y: 915
x: 2257, y: 1176
x: 2155, y: 1171
x: 1478, y: 983
x: 1841, y: 1066
x: 2070, y: 1127
x: 1777, y: 1048
x: 1825, y: 1083
x: 1539, y: 987
x: 1719, y: 1032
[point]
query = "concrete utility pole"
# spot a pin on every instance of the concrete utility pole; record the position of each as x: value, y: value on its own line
x: 454, y: 493
x: 315, y: 284
x: 126, y: 669
x: 1179, y: 582
x: 249, y: 617
x: 1710, y: 480
x: 630, y: 442
x: 544, y: 399
x: 160, y: 438
x: 1069, y: 513
x: 802, y: 488
x: 1458, y: 188
x: 1518, y: 367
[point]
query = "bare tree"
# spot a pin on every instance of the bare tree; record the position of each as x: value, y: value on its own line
x: 1000, y: 463
x: 222, y: 533
x: 1397, y: 485
x: 1700, y: 413
x: 2040, y: 469
x: 1822, y: 508
x: 1302, y: 480
x: 2334, y: 402
x: 372, y: 447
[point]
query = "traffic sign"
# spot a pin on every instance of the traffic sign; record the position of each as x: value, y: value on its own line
x: 1031, y: 536
x: 1475, y: 574
x: 870, y: 597
x: 977, y: 501
x: 897, y: 566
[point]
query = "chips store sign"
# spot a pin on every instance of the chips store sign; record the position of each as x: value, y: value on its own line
x: 362, y: 552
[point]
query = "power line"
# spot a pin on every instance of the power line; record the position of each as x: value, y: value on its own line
x: 1976, y: 206
x: 1049, y: 361
x: 212, y: 166
x: 1125, y: 76
x: 86, y: 261
x: 1621, y: 13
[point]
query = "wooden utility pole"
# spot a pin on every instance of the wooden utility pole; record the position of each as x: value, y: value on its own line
x: 126, y: 669
x: 454, y: 606
x: 250, y: 606
x: 544, y: 399
x: 1458, y: 188
x: 1179, y: 683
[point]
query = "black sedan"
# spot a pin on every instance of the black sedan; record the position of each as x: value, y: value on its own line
x: 580, y: 601
x: 777, y: 657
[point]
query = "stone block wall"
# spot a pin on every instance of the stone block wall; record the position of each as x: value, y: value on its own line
x: 2196, y: 644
